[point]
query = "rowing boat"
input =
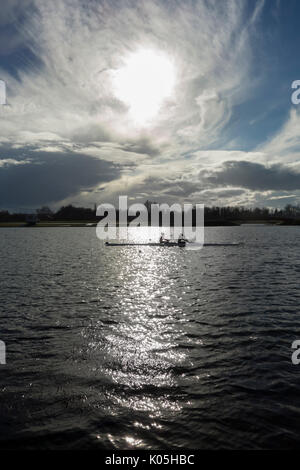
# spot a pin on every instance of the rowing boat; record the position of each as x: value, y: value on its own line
x: 181, y: 244
x: 168, y: 244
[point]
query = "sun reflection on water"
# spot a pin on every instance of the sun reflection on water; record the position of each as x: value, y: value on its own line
x: 144, y: 341
x: 135, y: 340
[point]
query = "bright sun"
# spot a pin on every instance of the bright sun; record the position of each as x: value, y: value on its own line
x: 144, y: 82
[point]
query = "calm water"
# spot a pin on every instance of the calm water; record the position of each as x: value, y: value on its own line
x: 149, y: 347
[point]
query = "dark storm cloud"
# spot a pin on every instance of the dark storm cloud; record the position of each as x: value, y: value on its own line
x: 255, y: 176
x: 32, y: 178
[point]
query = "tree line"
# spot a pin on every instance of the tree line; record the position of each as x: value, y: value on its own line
x: 214, y: 213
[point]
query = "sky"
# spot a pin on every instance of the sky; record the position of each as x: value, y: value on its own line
x: 167, y: 100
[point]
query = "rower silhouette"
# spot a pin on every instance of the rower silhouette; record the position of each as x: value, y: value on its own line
x: 163, y: 239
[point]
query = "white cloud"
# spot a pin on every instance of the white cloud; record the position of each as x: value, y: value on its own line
x: 80, y: 48
x: 284, y: 146
x: 6, y: 162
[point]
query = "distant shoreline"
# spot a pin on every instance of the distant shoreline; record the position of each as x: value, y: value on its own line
x: 208, y: 223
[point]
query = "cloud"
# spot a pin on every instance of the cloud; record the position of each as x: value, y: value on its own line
x: 43, y: 178
x: 4, y: 163
x: 218, y: 194
x: 13, y: 15
x: 284, y: 146
x: 255, y: 176
x: 13, y: 10
x: 71, y: 93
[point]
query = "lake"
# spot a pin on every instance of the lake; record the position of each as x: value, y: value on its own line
x: 149, y: 347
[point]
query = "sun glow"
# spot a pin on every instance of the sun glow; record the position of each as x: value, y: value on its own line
x: 145, y: 81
